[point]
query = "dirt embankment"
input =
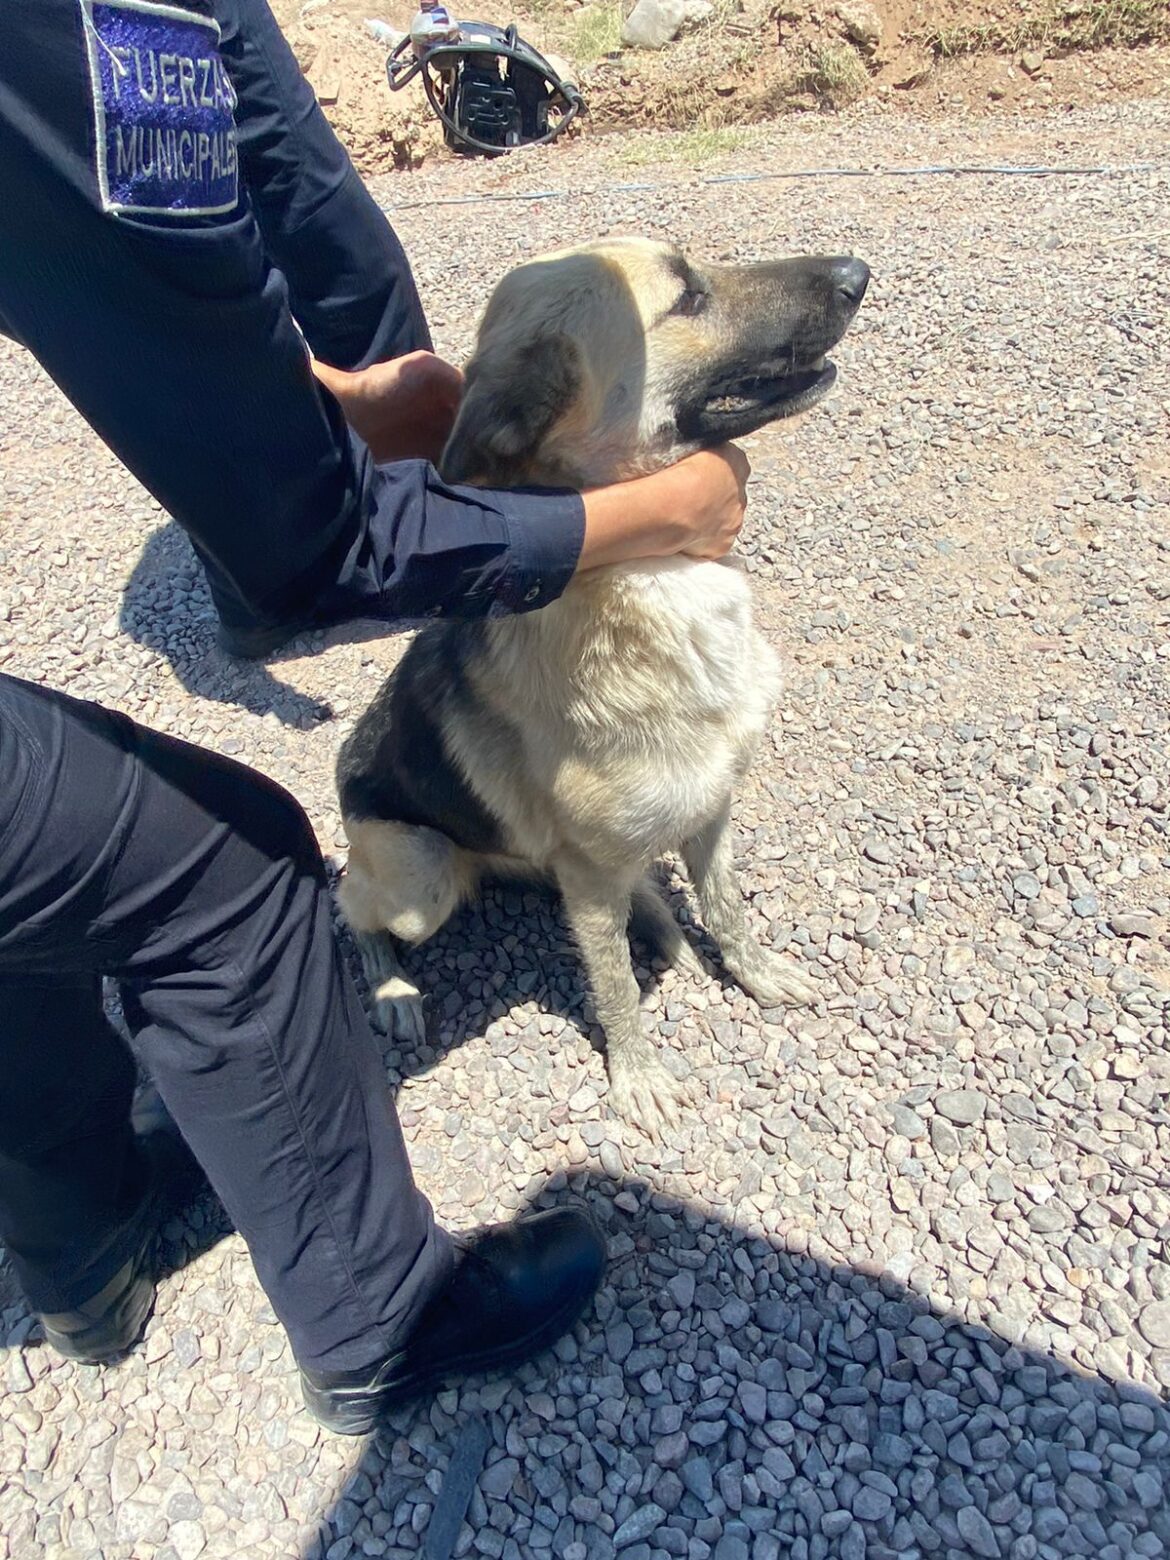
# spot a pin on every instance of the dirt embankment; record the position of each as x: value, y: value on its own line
x: 755, y: 59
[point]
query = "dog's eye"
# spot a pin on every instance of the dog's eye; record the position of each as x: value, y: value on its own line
x: 692, y: 302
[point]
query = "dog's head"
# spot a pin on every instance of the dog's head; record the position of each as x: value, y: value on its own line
x: 620, y: 357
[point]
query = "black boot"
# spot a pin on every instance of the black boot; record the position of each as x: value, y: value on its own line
x: 516, y: 1288
x: 112, y: 1321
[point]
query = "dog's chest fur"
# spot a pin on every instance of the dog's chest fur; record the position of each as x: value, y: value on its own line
x: 638, y: 699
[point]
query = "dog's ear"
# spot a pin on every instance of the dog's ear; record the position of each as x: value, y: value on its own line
x: 514, y: 397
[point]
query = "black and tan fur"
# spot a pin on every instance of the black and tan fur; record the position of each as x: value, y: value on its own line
x: 583, y: 741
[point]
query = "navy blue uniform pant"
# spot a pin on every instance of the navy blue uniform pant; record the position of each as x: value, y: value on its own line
x: 197, y: 885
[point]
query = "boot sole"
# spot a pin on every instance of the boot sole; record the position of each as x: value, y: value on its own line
x: 358, y: 1410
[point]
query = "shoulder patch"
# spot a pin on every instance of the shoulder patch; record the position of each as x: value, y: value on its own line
x: 163, y: 110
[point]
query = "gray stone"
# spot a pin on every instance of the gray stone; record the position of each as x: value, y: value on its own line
x: 17, y: 1375
x: 1047, y: 1522
x: 962, y: 1107
x: 1083, y: 1491
x: 1154, y: 1324
x: 641, y: 1524
x: 696, y: 1476
x: 652, y: 24
x: 907, y: 1123
x: 753, y: 1402
x: 1132, y: 924
x: 892, y: 1451
x: 870, y: 1505
x: 977, y: 1532
x: 187, y: 1539
x: 497, y: 1480
x: 862, y: 24
x: 682, y: 1290
x: 1149, y: 1489
x: 943, y: 1137
x: 620, y: 1341
x: 731, y: 1547
x: 671, y: 1450
x: 771, y: 1315
x: 1047, y: 1218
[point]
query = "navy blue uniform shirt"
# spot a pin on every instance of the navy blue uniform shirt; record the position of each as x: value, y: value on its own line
x: 170, y: 198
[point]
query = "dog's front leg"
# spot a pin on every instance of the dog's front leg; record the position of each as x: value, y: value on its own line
x: 398, y: 1003
x: 641, y: 1089
x: 769, y: 977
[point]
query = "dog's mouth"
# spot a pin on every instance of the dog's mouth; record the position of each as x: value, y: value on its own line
x: 780, y: 395
x: 738, y: 406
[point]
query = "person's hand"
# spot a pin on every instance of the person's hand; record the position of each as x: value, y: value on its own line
x: 711, y: 499
x: 695, y: 507
x: 402, y: 409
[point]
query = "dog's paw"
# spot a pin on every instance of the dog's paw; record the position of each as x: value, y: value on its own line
x: 398, y: 1011
x: 641, y: 1091
x: 775, y: 981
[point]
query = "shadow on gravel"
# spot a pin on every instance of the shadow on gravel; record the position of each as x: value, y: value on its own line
x: 733, y: 1397
x: 741, y: 1400
x: 736, y: 1398
x: 530, y: 912
x: 167, y: 607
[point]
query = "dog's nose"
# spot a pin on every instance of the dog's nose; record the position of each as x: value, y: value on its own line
x: 850, y: 279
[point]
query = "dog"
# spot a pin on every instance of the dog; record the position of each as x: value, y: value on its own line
x: 580, y: 742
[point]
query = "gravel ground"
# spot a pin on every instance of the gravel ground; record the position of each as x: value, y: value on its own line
x: 901, y: 1286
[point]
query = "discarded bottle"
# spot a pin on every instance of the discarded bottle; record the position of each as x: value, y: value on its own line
x: 432, y: 25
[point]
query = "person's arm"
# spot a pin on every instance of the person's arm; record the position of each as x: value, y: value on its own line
x: 436, y: 550
x: 467, y: 551
x: 694, y: 507
x: 349, y: 281
x: 404, y: 409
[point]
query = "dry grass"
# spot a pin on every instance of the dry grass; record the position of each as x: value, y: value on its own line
x: 694, y: 148
x: 716, y: 77
x: 1075, y: 24
x: 595, y: 31
x: 834, y: 72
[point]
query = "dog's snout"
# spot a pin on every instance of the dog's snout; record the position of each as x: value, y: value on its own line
x: 850, y: 279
